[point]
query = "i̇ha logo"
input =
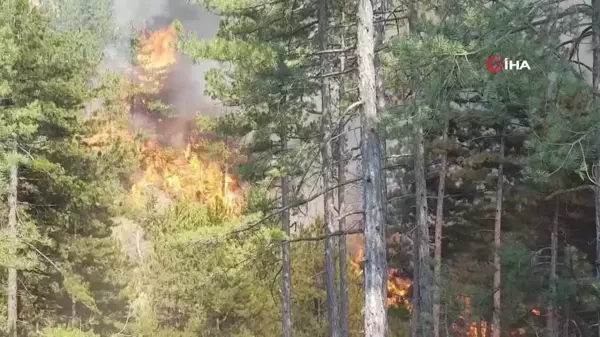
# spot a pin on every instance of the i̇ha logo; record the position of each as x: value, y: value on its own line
x: 496, y: 63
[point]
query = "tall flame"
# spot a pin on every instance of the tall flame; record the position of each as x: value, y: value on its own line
x: 157, y: 49
x: 189, y: 173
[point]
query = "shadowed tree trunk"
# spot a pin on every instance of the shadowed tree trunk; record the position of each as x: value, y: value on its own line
x: 375, y: 269
x: 286, y: 272
x: 329, y: 104
x: 551, y: 326
x: 439, y: 224
x: 596, y: 87
x: 496, y: 327
x: 341, y: 194
x: 424, y: 283
x: 12, y: 288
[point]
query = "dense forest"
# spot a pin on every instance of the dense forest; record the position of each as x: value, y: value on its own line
x: 367, y: 174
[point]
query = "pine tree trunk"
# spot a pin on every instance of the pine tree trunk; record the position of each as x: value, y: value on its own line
x: 375, y: 268
x: 12, y: 288
x: 343, y: 248
x: 496, y: 328
x: 479, y: 330
x: 551, y: 326
x: 379, y: 16
x: 439, y: 223
x: 414, y: 322
x: 329, y: 103
x: 425, y: 278
x: 286, y: 272
x: 596, y: 85
x: 341, y: 194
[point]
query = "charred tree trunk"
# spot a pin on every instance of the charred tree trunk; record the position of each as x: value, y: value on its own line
x: 425, y: 278
x: 329, y: 104
x: 375, y: 269
x: 496, y: 328
x: 439, y: 224
x: 551, y: 326
x: 286, y: 272
x: 12, y: 287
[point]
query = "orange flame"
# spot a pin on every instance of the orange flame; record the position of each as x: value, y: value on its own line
x: 397, y: 286
x: 188, y: 173
x: 158, y: 49
x: 185, y: 175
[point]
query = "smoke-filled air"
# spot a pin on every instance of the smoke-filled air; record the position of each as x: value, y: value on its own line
x: 306, y: 168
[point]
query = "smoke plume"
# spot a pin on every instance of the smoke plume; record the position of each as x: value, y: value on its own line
x: 185, y: 84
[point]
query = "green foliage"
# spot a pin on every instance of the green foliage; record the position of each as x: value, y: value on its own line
x: 66, y: 332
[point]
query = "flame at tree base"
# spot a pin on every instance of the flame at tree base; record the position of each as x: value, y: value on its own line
x: 398, y: 296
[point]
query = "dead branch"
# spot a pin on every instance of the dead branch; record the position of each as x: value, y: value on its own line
x: 568, y: 190
x: 323, y: 237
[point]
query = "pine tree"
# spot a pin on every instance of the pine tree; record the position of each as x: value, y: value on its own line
x: 64, y: 194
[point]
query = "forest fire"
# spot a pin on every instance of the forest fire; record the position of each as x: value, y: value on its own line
x: 157, y: 49
x: 186, y: 175
x: 183, y: 167
x: 397, y: 286
x: 399, y: 296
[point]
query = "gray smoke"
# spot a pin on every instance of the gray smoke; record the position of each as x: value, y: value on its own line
x: 186, y: 82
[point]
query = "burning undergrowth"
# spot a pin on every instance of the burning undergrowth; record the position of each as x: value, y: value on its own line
x: 176, y: 160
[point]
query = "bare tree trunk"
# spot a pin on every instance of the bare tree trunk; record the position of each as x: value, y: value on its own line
x: 425, y: 278
x: 596, y: 84
x: 375, y: 270
x: 12, y: 287
x: 479, y: 330
x: 416, y: 237
x: 341, y: 194
x: 551, y: 326
x: 496, y: 328
x: 416, y: 303
x: 439, y: 224
x: 416, y: 300
x: 286, y: 272
x: 379, y: 8
x: 329, y: 104
x: 343, y: 248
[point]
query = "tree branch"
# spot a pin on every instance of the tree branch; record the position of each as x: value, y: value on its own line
x: 323, y: 237
x: 568, y: 190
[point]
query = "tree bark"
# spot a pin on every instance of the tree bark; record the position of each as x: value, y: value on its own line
x: 425, y: 278
x: 329, y: 104
x: 343, y: 248
x: 12, y: 287
x: 375, y: 269
x: 439, y: 223
x: 596, y: 85
x: 286, y: 272
x: 496, y: 327
x: 414, y: 321
x: 341, y: 194
x: 551, y: 326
